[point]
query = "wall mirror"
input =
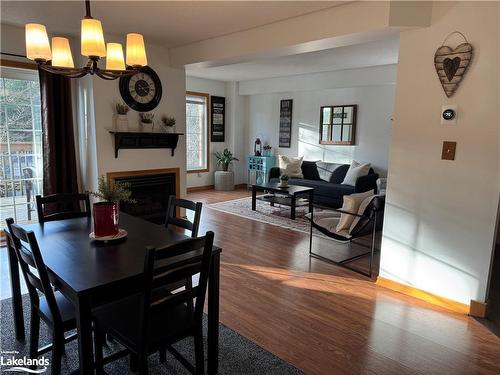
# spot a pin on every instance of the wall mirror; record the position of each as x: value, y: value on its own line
x: 337, y: 125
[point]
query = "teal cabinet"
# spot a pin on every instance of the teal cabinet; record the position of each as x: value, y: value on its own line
x: 261, y: 166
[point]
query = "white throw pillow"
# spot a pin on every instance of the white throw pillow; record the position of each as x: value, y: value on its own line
x: 355, y: 170
x: 291, y: 166
x: 351, y: 204
x: 361, y: 211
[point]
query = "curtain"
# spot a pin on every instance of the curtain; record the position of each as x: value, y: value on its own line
x: 59, y: 159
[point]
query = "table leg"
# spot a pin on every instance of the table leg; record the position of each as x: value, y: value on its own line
x: 213, y: 316
x: 292, y: 213
x: 254, y: 197
x: 15, y: 287
x: 84, y: 328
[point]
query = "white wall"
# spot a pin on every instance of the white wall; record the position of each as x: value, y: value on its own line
x: 373, y: 134
x: 440, y: 215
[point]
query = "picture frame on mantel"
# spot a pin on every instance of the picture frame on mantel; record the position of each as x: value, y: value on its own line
x: 217, y: 118
x: 285, y: 134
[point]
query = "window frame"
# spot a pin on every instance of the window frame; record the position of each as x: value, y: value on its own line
x: 207, y: 97
x: 329, y: 140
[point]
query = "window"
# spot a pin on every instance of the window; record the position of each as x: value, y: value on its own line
x: 21, y: 165
x: 197, y: 132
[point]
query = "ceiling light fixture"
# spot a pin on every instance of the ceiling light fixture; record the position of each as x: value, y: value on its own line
x: 60, y: 61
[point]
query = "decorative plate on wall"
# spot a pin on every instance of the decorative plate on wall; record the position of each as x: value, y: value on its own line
x: 142, y: 91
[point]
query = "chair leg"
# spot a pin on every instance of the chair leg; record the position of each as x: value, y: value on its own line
x: 143, y: 365
x: 163, y: 355
x: 57, y: 352
x: 34, y: 335
x: 198, y: 352
x: 133, y: 362
x: 189, y: 285
x: 99, y: 338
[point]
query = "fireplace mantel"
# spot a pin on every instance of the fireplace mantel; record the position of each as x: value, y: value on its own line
x: 144, y: 140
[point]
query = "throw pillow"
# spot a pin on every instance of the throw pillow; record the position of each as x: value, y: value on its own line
x: 291, y: 166
x: 361, y: 211
x: 351, y: 204
x: 356, y: 170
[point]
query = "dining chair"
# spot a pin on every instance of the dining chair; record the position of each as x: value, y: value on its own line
x: 172, y: 219
x: 158, y: 317
x: 67, y: 206
x: 52, y: 307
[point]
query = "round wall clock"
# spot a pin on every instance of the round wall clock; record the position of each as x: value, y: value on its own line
x: 142, y: 91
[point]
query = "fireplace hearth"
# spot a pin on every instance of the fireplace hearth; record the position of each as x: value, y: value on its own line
x: 150, y: 190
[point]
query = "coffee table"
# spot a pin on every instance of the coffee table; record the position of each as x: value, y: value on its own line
x: 284, y: 196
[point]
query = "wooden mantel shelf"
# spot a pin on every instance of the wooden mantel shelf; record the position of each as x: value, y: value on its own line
x: 144, y: 140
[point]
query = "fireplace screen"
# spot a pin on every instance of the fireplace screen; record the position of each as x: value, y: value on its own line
x: 151, y: 194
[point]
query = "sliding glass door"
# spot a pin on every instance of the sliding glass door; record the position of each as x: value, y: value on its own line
x: 21, y: 166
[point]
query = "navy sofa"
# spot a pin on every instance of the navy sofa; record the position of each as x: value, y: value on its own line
x: 326, y: 179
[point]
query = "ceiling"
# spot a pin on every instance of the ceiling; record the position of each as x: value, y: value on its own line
x: 380, y: 52
x: 169, y: 23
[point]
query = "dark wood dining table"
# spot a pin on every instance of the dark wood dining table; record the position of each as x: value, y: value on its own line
x: 91, y: 273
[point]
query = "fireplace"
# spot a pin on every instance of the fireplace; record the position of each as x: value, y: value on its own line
x: 150, y: 190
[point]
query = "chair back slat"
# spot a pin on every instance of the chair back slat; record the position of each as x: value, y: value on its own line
x: 173, y: 275
x: 62, y: 206
x: 30, y: 258
x: 171, y: 219
x: 186, y: 258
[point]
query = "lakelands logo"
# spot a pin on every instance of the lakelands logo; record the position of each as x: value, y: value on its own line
x: 10, y: 363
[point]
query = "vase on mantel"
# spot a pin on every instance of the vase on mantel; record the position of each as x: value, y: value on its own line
x: 147, y: 127
x: 170, y: 129
x: 121, y: 123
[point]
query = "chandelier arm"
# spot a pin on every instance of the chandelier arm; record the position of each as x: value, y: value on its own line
x: 67, y: 72
x: 105, y: 75
x: 120, y: 73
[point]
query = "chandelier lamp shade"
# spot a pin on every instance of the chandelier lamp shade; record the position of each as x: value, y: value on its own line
x: 59, y: 59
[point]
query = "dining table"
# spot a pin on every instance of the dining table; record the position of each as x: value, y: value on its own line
x: 91, y: 273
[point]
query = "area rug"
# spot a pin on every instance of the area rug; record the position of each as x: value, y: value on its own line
x: 237, y: 355
x: 265, y: 213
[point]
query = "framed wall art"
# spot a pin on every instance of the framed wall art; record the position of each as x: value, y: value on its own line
x: 285, y: 134
x: 217, y: 118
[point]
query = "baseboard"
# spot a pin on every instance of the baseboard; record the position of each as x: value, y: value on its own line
x: 199, y: 188
x: 446, y: 303
x: 478, y: 309
x: 241, y: 186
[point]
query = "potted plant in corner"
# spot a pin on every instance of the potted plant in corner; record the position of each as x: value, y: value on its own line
x: 106, y: 212
x: 147, y: 123
x: 224, y: 180
x: 168, y: 123
x: 121, y: 121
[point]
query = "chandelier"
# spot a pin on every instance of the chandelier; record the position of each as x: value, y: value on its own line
x: 59, y: 59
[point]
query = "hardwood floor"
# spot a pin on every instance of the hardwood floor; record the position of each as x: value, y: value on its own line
x: 325, y: 319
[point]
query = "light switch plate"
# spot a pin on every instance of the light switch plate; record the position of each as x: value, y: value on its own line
x: 445, y: 112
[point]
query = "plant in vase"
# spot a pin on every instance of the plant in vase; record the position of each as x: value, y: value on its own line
x: 147, y: 123
x: 121, y: 123
x: 284, y: 180
x: 168, y: 123
x: 267, y: 150
x: 106, y: 212
x: 224, y: 180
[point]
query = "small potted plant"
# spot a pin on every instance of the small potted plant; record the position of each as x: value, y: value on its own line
x: 106, y: 212
x: 224, y: 180
x: 168, y: 123
x: 121, y: 121
x: 267, y: 150
x: 284, y: 181
x: 147, y: 123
